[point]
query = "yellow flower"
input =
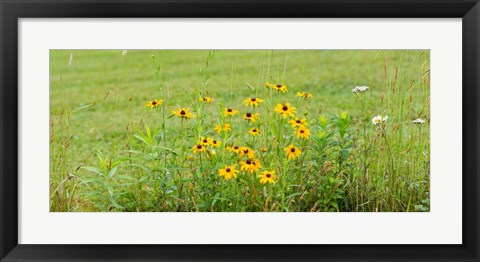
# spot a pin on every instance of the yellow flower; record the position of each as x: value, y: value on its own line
x: 235, y: 149
x: 269, y: 85
x: 199, y: 148
x: 250, y: 165
x: 205, y: 141
x: 206, y: 99
x: 254, y: 131
x: 280, y: 88
x: 183, y: 113
x: 303, y: 132
x: 297, y: 122
x: 229, y: 112
x: 268, y: 176
x: 285, y: 110
x: 215, y: 143
x: 246, y: 151
x: 263, y: 149
x: 253, y: 101
x: 250, y: 117
x: 226, y: 128
x: 228, y: 172
x: 304, y: 95
x: 292, y: 152
x: 154, y: 103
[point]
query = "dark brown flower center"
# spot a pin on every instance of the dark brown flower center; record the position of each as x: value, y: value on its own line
x: 299, y: 121
x: 249, y: 115
x: 302, y: 131
x: 254, y: 130
x: 214, y: 141
x: 199, y: 146
x: 235, y: 147
x: 182, y: 112
x: 248, y: 161
x: 154, y: 103
x: 229, y: 110
x: 268, y: 175
x: 292, y: 149
x: 279, y: 86
x: 285, y: 108
x: 205, y: 140
x: 253, y: 99
x: 245, y: 151
x: 228, y: 170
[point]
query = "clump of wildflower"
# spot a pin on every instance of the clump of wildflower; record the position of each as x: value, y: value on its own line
x: 228, y: 172
x: 206, y: 99
x: 229, y: 112
x: 292, y: 152
x: 154, y: 103
x: 267, y: 177
x: 183, y: 113
x: 285, y: 110
x: 250, y: 117
x: 254, y: 131
x: 303, y: 132
x: 253, y: 101
x: 418, y: 121
x: 379, y: 119
x: 226, y: 127
x: 360, y: 89
x: 304, y: 95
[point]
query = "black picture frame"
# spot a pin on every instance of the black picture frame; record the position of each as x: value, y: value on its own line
x: 11, y: 11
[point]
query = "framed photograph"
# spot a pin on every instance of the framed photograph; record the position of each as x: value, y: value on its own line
x: 225, y: 130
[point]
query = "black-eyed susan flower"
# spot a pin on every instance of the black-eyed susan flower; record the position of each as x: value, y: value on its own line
x: 250, y: 117
x: 285, y: 110
x: 246, y: 151
x: 253, y: 101
x: 206, y: 99
x: 303, y: 132
x: 215, y: 143
x: 292, y: 152
x: 205, y: 141
x: 269, y: 85
x: 154, y: 103
x: 228, y: 172
x: 304, y: 95
x: 250, y: 165
x: 183, y: 113
x: 297, y: 122
x: 280, y: 88
x: 254, y: 131
x: 268, y: 177
x: 199, y: 148
x: 226, y: 127
x: 229, y: 112
x: 235, y: 149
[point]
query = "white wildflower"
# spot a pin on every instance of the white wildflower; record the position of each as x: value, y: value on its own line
x: 70, y: 60
x: 124, y: 53
x: 418, y: 121
x: 360, y: 89
x: 379, y: 119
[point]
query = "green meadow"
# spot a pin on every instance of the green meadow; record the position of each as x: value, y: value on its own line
x: 354, y: 149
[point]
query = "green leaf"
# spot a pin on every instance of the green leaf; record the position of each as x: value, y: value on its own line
x: 112, y: 172
x: 93, y: 169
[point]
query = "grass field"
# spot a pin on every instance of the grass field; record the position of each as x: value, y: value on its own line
x: 111, y: 152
